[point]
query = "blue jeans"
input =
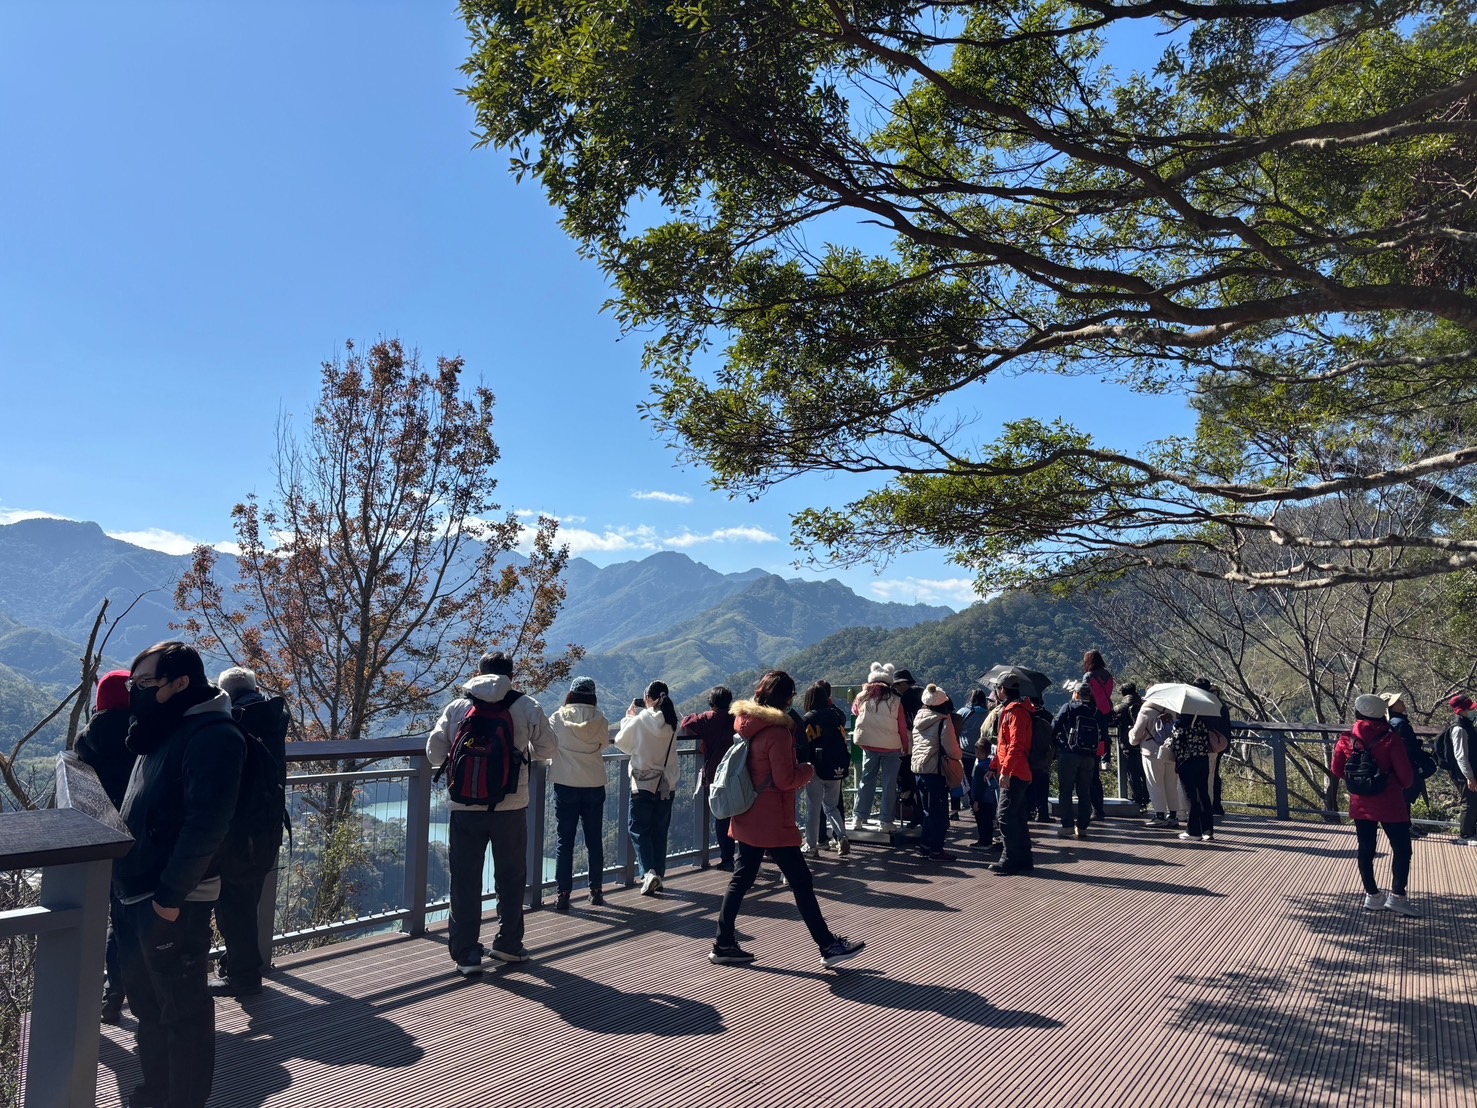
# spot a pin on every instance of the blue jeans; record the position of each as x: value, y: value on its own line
x: 872, y: 764
x: 822, y: 798
x: 573, y: 805
x: 651, y: 815
x: 933, y: 794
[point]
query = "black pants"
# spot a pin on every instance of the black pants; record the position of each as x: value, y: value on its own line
x: 164, y: 968
x: 1038, y: 794
x: 1095, y: 790
x: 469, y: 837
x: 792, y: 864
x: 576, y: 805
x: 1469, y: 808
x: 1075, y: 773
x: 1195, y: 780
x: 1014, y: 812
x: 1399, y: 836
x: 1133, y: 773
x: 725, y: 843
x: 244, y: 865
x: 933, y: 796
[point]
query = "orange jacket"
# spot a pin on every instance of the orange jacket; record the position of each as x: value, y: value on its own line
x: 1013, y: 755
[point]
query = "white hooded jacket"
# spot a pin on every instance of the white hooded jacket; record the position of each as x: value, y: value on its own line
x: 531, y: 733
x: 652, y: 746
x: 583, y: 733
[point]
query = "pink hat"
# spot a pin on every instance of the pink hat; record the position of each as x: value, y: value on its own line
x: 1460, y: 703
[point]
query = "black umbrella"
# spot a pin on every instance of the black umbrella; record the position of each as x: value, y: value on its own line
x: 1033, y: 682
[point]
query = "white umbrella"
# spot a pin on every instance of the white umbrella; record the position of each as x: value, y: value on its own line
x: 1184, y: 700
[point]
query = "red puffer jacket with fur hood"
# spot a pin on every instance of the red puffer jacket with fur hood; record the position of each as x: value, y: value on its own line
x: 777, y: 777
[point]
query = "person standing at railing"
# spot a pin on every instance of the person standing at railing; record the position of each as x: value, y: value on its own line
x: 1457, y: 752
x: 101, y: 745
x: 178, y: 809
x: 503, y: 825
x: 883, y: 733
x: 825, y: 732
x: 1370, y: 759
x: 713, y: 731
x: 1149, y: 733
x: 935, y: 757
x: 649, y: 735
x: 1012, y: 765
x: 251, y: 847
x: 1128, y: 757
x: 768, y: 825
x: 1099, y: 682
x: 578, y: 773
x: 1420, y: 758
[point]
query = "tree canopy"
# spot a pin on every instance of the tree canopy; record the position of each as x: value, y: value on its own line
x: 1266, y: 207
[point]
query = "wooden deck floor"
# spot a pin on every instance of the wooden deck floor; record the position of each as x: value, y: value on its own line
x: 1130, y: 971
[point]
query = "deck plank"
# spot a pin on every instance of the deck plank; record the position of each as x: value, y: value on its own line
x: 1132, y: 972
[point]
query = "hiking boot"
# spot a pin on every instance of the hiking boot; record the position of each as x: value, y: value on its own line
x: 502, y: 954
x: 561, y: 902
x: 1374, y: 902
x: 597, y: 898
x: 1401, y: 905
x: 840, y: 950
x: 238, y: 986
x: 729, y: 954
x: 112, y: 1012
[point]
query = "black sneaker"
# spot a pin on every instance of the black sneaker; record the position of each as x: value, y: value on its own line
x: 469, y: 968
x: 597, y: 898
x: 726, y: 866
x: 112, y: 1012
x: 503, y: 955
x: 840, y: 950
x: 237, y: 986
x: 561, y: 902
x: 939, y: 856
x: 722, y: 954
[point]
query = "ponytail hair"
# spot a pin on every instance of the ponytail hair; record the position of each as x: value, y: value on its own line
x: 658, y: 692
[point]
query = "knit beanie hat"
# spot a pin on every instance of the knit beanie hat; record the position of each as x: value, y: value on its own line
x: 933, y: 696
x: 112, y: 691
x: 1369, y: 706
x: 581, y: 691
x: 880, y: 672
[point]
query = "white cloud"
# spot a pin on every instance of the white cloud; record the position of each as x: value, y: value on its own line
x: 664, y: 497
x: 15, y: 515
x: 645, y: 539
x: 957, y: 592
x: 156, y: 538
x: 232, y: 548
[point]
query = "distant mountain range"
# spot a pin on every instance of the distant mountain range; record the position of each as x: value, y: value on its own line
x: 666, y: 617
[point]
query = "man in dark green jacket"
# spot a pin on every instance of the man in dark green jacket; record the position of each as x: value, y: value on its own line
x: 178, y: 808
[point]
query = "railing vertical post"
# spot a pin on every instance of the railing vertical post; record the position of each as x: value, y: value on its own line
x: 536, y: 828
x: 623, y: 832
x: 417, y: 846
x: 700, y: 816
x: 1279, y: 775
x: 61, y: 1068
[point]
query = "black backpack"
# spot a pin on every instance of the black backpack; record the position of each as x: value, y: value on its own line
x: 1362, y: 774
x: 1084, y: 737
x: 485, y: 762
x: 1445, y: 750
x: 261, y: 800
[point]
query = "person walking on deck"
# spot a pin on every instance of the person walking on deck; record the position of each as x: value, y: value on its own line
x: 1370, y: 759
x: 768, y: 826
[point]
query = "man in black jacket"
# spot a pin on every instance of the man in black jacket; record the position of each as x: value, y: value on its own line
x: 250, y: 850
x: 178, y: 808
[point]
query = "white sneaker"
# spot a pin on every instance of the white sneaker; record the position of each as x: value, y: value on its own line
x: 887, y: 827
x: 1185, y: 835
x: 1466, y: 842
x: 651, y: 884
x: 1401, y: 905
x: 1374, y: 902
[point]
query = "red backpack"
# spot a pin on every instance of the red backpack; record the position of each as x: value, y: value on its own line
x: 485, y: 761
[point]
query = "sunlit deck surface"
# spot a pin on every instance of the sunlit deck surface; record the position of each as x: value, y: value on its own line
x: 1131, y: 970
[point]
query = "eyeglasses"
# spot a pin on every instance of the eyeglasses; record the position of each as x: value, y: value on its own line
x: 150, y: 682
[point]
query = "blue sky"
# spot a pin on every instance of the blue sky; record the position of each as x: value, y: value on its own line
x: 203, y: 201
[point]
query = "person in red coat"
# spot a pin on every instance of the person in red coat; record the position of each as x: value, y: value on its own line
x: 1388, y: 809
x: 769, y: 824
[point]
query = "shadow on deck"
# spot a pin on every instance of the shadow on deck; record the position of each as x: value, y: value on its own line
x: 1131, y: 971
